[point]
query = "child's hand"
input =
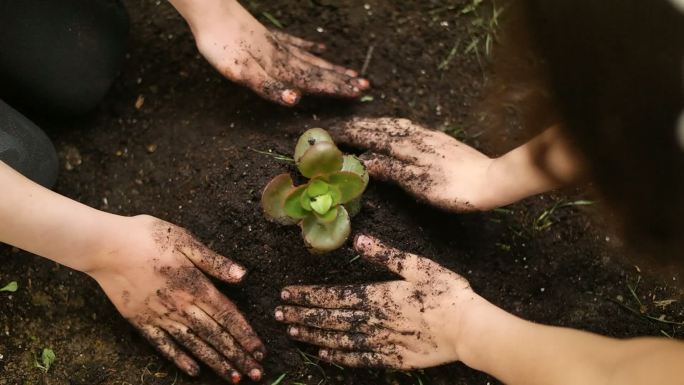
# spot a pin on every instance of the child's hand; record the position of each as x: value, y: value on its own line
x: 275, y: 65
x: 406, y: 324
x: 155, y: 279
x: 431, y: 165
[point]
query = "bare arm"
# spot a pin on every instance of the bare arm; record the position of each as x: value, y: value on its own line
x: 48, y: 224
x: 521, y: 352
x: 544, y: 163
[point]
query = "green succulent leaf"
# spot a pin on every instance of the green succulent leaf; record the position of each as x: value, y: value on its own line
x: 305, y: 201
x: 321, y: 158
x: 325, y: 237
x: 293, y: 206
x: 335, y: 194
x: 354, y: 164
x: 273, y: 199
x: 329, y: 216
x: 350, y: 185
x: 322, y: 203
x: 317, y: 187
x: 308, y: 139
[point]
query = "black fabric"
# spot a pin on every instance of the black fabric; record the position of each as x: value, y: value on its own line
x: 57, y: 57
x: 60, y: 56
x: 26, y: 148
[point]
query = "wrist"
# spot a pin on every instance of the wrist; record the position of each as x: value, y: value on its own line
x: 476, y: 329
x: 496, y: 185
x: 202, y: 15
x: 104, y: 250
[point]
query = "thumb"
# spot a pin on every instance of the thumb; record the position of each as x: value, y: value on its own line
x: 410, y: 266
x: 212, y: 263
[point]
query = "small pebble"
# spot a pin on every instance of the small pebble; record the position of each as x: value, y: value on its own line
x: 151, y: 148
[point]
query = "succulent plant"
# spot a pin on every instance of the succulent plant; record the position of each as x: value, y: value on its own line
x: 324, y: 205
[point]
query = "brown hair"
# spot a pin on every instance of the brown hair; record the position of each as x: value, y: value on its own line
x: 616, y: 72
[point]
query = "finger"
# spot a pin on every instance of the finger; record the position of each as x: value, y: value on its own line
x: 329, y: 319
x: 360, y: 359
x: 211, y: 332
x: 312, y: 79
x: 339, y: 340
x: 331, y: 297
x: 203, y: 351
x: 211, y: 262
x: 322, y: 63
x: 399, y: 138
x: 169, y: 349
x: 224, y: 311
x: 415, y: 179
x: 252, y: 75
x: 298, y: 41
x: 410, y: 266
x: 391, y: 169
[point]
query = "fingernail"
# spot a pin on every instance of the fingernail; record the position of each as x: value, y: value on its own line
x: 193, y: 370
x: 363, y: 83
x: 294, y: 331
x: 323, y: 353
x: 285, y: 295
x: 289, y: 96
x: 279, y: 315
x: 255, y: 374
x: 237, y: 272
x: 356, y: 90
x: 258, y: 355
x: 235, y: 377
x: 361, y: 241
x: 351, y: 73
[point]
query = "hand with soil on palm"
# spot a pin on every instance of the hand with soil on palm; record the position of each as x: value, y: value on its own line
x: 277, y: 66
x: 155, y: 279
x: 405, y: 324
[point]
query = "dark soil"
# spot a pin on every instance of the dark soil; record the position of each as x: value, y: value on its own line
x: 186, y: 157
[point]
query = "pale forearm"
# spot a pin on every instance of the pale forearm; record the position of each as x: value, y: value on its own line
x: 544, y: 163
x: 200, y: 13
x: 521, y: 352
x: 45, y: 223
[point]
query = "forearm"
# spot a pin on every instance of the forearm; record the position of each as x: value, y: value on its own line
x: 521, y: 352
x: 544, y: 163
x: 50, y: 225
x: 201, y: 13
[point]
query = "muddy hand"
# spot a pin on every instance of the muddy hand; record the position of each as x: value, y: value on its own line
x: 431, y: 165
x: 407, y: 324
x: 275, y: 65
x: 156, y: 281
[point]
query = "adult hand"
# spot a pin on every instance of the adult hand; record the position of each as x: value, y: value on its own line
x: 405, y: 324
x: 431, y: 165
x: 275, y: 65
x: 155, y: 279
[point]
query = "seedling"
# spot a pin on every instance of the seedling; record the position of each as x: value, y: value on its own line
x: 10, y: 287
x: 47, y: 358
x: 321, y: 207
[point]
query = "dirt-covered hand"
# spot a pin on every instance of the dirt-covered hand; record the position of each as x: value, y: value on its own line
x: 155, y: 279
x: 406, y: 324
x: 431, y: 165
x: 274, y: 64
